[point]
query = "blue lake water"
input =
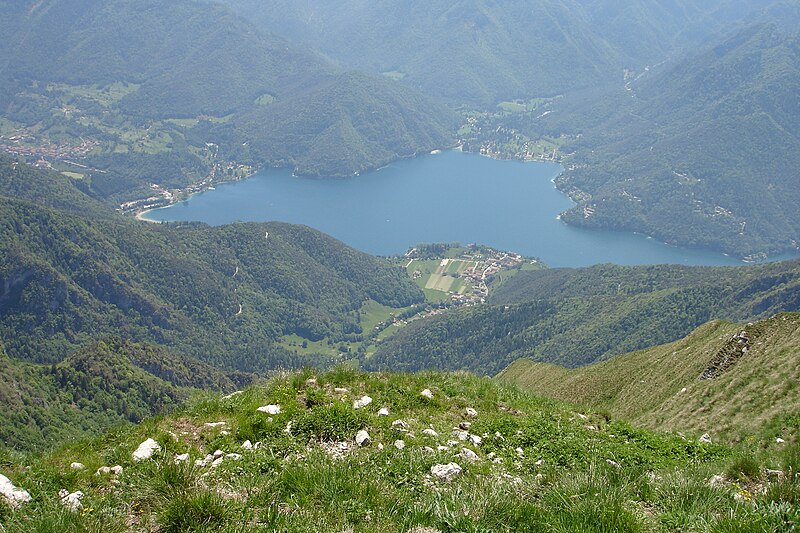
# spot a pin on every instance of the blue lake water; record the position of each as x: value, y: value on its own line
x: 452, y: 196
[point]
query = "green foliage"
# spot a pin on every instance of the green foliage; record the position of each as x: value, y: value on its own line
x: 337, y: 421
x: 290, y: 483
x: 670, y: 386
x: 574, y: 317
x: 704, y: 155
x: 105, y: 384
x: 202, y: 510
x: 163, y: 96
x: 71, y: 281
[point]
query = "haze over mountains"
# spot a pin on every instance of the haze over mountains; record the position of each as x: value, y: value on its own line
x: 219, y: 369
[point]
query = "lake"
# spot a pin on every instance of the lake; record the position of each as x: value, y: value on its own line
x: 453, y: 196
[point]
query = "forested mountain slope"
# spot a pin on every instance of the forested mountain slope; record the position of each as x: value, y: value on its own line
x: 482, y: 52
x: 723, y: 378
x: 574, y: 317
x: 704, y: 153
x: 100, y: 386
x: 223, y: 294
x: 137, y: 92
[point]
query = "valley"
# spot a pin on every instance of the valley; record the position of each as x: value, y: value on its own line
x: 414, y: 267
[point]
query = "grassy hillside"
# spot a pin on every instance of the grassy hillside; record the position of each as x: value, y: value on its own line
x: 700, y: 153
x: 723, y: 378
x: 574, y: 317
x: 102, y: 385
x: 527, y: 464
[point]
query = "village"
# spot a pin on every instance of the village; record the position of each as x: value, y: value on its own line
x: 463, y: 275
x: 43, y: 155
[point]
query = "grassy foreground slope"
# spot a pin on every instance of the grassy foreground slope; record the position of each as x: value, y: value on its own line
x: 723, y: 378
x: 526, y: 464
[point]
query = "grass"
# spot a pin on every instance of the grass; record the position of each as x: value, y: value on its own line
x: 757, y: 393
x: 307, y: 474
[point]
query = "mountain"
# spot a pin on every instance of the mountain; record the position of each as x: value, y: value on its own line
x: 574, y: 317
x: 102, y: 385
x: 346, y: 125
x: 723, y: 378
x: 224, y: 295
x: 525, y: 464
x: 126, y: 94
x: 481, y: 52
x: 703, y: 153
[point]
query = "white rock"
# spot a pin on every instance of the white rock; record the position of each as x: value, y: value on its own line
x: 362, y: 402
x: 499, y: 436
x: 705, y: 439
x: 779, y: 440
x: 453, y: 443
x: 613, y: 463
x: 182, y: 458
x: 214, y: 424
x: 427, y: 394
x: 520, y: 452
x: 476, y: 440
x: 341, y: 390
x: 400, y: 425
x: 384, y: 411
x: 538, y: 478
x: 446, y: 472
x: 103, y: 471
x: 497, y: 461
x: 311, y: 382
x: 443, y: 448
x: 362, y: 438
x: 428, y: 449
x: 77, y: 466
x: 399, y: 444
x: 200, y: 463
x: 380, y: 446
x: 469, y: 455
x: 71, y: 501
x: 465, y: 425
x: 472, y: 413
x: 218, y: 453
x: 461, y: 435
x: 216, y: 462
x: 146, y: 450
x: 540, y: 462
x: 116, y: 470
x: 13, y: 495
x: 430, y: 432
x: 233, y: 456
x: 684, y: 390
x: 270, y: 409
x: 224, y: 433
x: 247, y: 445
x: 716, y: 480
